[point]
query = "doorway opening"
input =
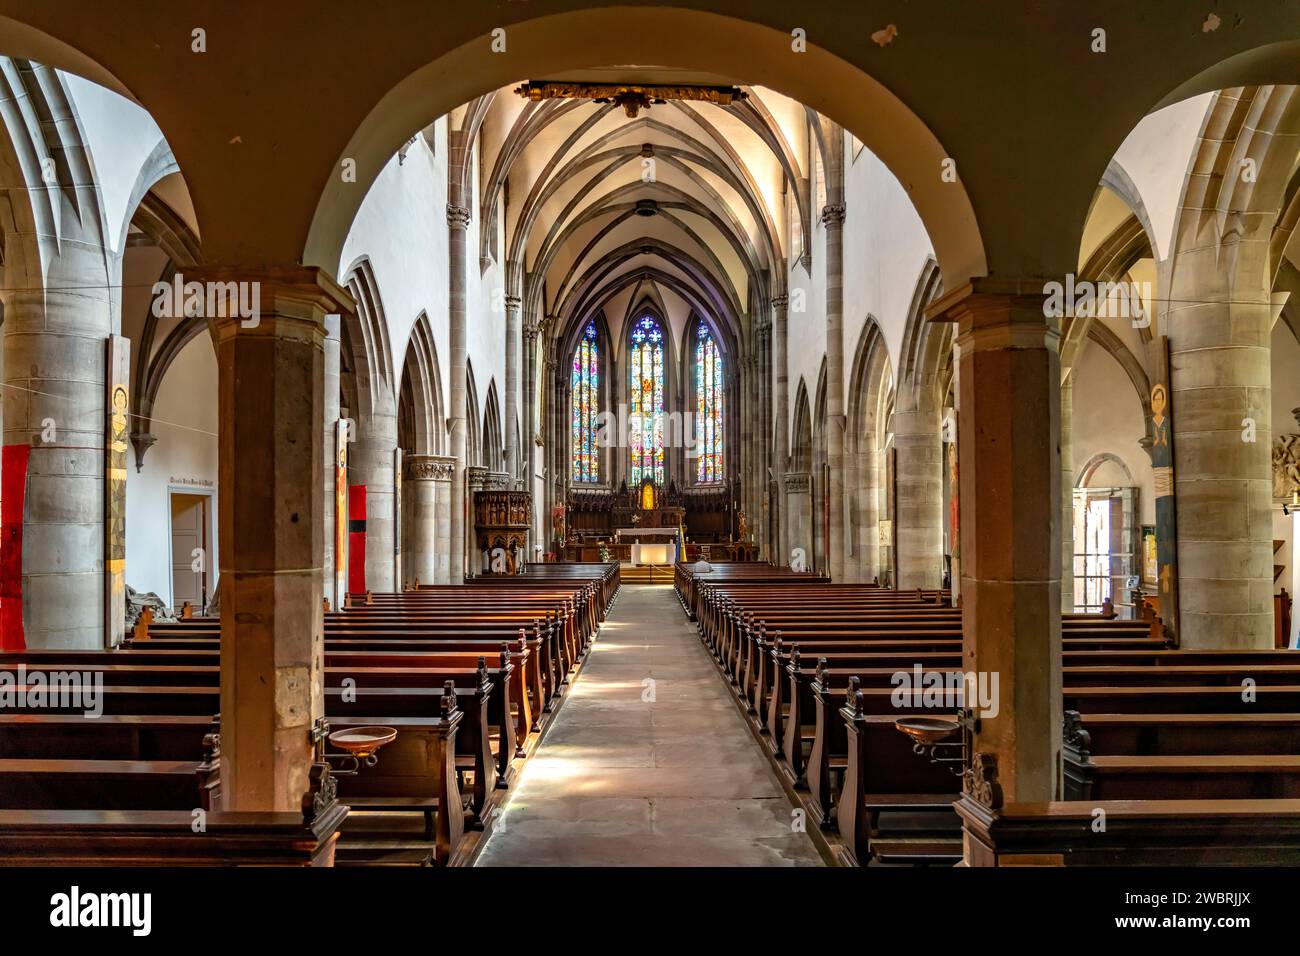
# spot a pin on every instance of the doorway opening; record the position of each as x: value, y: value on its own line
x: 191, y: 541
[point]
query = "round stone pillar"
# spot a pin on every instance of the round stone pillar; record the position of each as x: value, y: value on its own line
x: 425, y: 500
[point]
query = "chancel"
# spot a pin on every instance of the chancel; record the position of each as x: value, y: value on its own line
x: 608, y: 434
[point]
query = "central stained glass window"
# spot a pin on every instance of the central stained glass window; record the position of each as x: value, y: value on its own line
x: 586, y: 406
x: 646, y: 401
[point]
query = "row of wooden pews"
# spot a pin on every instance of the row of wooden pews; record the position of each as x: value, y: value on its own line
x: 815, y: 665
x: 467, y: 675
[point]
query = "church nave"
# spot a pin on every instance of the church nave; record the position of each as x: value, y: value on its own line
x: 648, y: 762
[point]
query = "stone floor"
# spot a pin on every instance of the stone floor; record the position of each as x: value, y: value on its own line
x: 648, y: 762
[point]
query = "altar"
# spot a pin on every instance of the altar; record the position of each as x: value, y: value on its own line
x: 662, y: 553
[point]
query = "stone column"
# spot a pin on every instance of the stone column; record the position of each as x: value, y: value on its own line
x: 1009, y: 427
x: 765, y: 435
x: 271, y: 509
x: 833, y: 220
x: 754, y: 510
x: 476, y: 479
x: 781, y: 451
x: 798, y: 507
x: 553, y: 439
x: 442, y: 540
x: 457, y: 224
x: 512, y: 454
x: 371, y: 462
x: 868, y: 512
x: 329, y: 438
x: 55, y: 361
x: 743, y: 379
x: 1067, y: 496
x: 919, y: 517
x: 426, y: 516
x: 1221, y: 414
x: 530, y: 428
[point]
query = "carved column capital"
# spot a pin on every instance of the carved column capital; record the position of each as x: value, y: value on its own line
x: 457, y: 216
x: 429, y: 467
x: 513, y: 303
x: 833, y: 215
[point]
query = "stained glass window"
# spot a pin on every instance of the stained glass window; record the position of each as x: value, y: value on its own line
x: 646, y: 394
x: 708, y: 406
x: 586, y: 406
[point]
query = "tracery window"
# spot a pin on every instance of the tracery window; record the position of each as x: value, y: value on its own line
x: 708, y: 406
x: 586, y: 406
x: 646, y: 401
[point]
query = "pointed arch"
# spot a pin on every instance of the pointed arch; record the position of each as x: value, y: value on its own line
x: 365, y: 341
x: 493, y: 445
x: 925, y: 362
x: 473, y: 446
x: 870, y: 400
x: 421, y: 428
x: 801, y: 437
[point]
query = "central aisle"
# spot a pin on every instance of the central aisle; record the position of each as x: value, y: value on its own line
x: 648, y: 762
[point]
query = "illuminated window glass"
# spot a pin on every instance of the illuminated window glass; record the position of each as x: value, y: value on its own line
x: 646, y: 405
x: 586, y: 406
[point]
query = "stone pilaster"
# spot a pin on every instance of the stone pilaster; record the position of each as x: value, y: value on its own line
x: 457, y: 224
x: 530, y: 426
x: 1009, y: 428
x: 833, y: 220
x: 781, y: 439
x: 271, y: 509
x: 512, y: 453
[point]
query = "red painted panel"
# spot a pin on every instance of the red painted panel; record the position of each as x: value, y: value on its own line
x: 13, y: 496
x: 357, y: 539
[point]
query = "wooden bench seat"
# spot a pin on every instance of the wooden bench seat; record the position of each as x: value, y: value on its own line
x: 99, y: 837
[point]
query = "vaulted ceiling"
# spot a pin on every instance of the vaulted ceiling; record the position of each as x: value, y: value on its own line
x: 688, y: 207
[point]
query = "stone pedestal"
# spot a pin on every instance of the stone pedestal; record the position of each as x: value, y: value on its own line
x: 1009, y: 426
x: 271, y: 510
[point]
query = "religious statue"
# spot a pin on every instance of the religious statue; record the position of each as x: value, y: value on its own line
x: 740, y: 526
